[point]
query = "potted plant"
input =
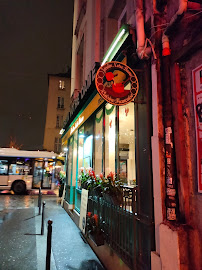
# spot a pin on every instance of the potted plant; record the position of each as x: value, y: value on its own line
x: 90, y: 181
x: 112, y: 191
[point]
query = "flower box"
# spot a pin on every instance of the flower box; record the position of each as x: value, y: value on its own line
x: 97, y: 238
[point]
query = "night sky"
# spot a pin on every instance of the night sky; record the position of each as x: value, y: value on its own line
x: 35, y: 39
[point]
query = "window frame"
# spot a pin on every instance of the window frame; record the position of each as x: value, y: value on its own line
x: 60, y: 103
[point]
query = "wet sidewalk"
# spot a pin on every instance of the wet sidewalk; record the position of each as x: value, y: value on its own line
x: 22, y: 247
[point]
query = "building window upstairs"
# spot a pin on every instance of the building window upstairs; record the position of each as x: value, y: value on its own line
x: 61, y: 85
x: 57, y: 145
x: 59, y: 121
x: 60, y: 103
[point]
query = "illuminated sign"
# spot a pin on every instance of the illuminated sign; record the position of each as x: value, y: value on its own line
x: 117, y: 83
x: 76, y: 124
x: 116, y: 44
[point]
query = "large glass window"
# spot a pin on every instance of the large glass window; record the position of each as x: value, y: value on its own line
x: 88, y: 144
x: 70, y: 160
x: 80, y: 151
x: 110, y: 132
x: 127, y: 167
x: 85, y: 147
x: 74, y: 158
x: 99, y: 142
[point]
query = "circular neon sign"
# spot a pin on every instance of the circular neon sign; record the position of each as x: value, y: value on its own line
x: 116, y: 83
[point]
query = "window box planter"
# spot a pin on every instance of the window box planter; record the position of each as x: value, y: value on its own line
x: 97, y: 238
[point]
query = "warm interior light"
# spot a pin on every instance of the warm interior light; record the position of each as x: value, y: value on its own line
x: 62, y: 131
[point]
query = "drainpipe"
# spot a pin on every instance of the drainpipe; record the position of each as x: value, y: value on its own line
x: 142, y: 51
x: 175, y: 19
x: 170, y: 162
x: 178, y: 16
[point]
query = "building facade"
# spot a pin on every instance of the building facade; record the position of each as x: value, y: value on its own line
x: 151, y: 144
x: 57, y: 109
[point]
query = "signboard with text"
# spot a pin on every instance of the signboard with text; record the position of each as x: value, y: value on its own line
x: 197, y: 96
x: 117, y: 83
x: 83, y: 210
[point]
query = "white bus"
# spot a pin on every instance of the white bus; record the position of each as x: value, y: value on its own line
x: 22, y: 170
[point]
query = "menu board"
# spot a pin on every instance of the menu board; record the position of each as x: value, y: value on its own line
x: 83, y: 210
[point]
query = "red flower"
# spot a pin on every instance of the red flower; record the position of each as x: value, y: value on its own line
x: 96, y: 219
x: 111, y: 175
x: 89, y: 214
x: 94, y: 175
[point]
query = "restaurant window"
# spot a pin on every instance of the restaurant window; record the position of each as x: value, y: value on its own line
x: 85, y: 147
x: 127, y: 166
x: 74, y: 158
x: 70, y: 160
x: 99, y: 142
x: 80, y: 152
x: 60, y: 103
x: 110, y: 133
x: 88, y: 144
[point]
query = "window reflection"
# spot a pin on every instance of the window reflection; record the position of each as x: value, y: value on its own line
x: 99, y: 142
x: 69, y: 162
x: 127, y: 166
x: 110, y: 127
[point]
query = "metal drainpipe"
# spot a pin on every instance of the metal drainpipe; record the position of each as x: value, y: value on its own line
x: 142, y: 52
x: 170, y: 162
x: 177, y: 16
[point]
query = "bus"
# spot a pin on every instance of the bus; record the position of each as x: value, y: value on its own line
x: 22, y: 170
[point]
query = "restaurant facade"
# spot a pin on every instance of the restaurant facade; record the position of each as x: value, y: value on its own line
x: 137, y: 142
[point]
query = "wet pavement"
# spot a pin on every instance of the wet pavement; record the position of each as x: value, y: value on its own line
x: 21, y: 245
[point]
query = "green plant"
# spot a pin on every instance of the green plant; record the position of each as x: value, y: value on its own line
x: 87, y: 179
x: 62, y: 176
x: 101, y: 186
x: 113, y: 189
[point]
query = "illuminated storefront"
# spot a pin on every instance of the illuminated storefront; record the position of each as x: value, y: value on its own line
x: 111, y: 138
x: 104, y: 141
